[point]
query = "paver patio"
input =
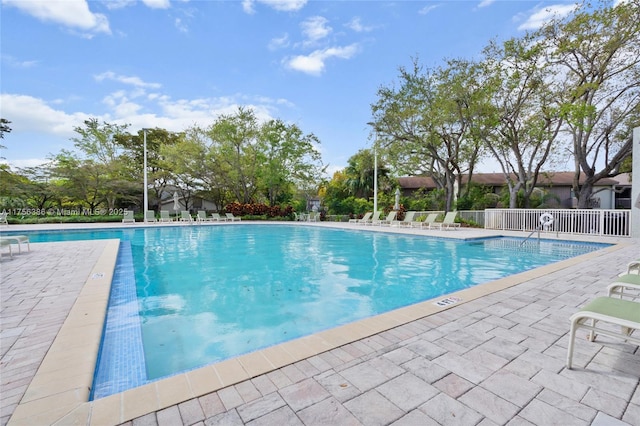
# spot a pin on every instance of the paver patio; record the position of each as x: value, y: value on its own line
x: 499, y: 359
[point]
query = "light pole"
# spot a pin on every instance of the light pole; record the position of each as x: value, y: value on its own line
x: 146, y: 185
x: 375, y: 175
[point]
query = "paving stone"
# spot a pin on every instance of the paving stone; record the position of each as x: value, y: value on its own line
x: 230, y: 397
x: 447, y: 411
x: 415, y: 418
x: 453, y: 385
x: 513, y: 388
x: 489, y: 404
x: 211, y: 404
x: 169, y: 416
x: 191, y: 412
x: 606, y: 420
x: 632, y: 414
x: 426, y: 349
x: 146, y: 420
x: 463, y: 367
x: 283, y: 416
x: 261, y: 407
x: 400, y: 355
x: 605, y: 402
x: 540, y: 413
x: 339, y: 387
x: 364, y: 376
x: 567, y: 405
x: 373, y: 409
x: 425, y: 369
x: 247, y: 391
x: 407, y: 391
x: 264, y: 385
x: 327, y: 412
x: 303, y: 394
x: 228, y: 418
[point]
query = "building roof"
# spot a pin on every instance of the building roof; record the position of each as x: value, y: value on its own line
x: 498, y: 179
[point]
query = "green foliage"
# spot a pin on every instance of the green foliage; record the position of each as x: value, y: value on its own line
x: 477, y: 197
x: 427, y: 200
x: 258, y: 209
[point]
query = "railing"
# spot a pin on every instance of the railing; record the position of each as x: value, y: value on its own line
x: 613, y: 223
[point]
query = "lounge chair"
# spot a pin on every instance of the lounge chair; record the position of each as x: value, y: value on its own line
x: 128, y: 217
x: 150, y: 216
x: 363, y: 219
x: 390, y: 218
x: 6, y: 243
x: 408, y: 219
x: 216, y: 217
x: 165, y: 216
x: 374, y: 219
x: 231, y: 217
x: 185, y: 216
x: 427, y: 222
x: 16, y: 239
x: 627, y: 285
x: 3, y: 218
x: 615, y: 312
x: 314, y: 217
x: 449, y: 222
x: 202, y: 216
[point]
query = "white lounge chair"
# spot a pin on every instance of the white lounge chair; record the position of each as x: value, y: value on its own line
x: 16, y: 239
x: 625, y: 286
x: 407, y: 220
x: 216, y: 217
x: 6, y: 243
x: 374, y: 219
x: 3, y: 218
x: 390, y: 218
x: 202, y: 216
x: 363, y: 219
x: 611, y: 311
x: 165, y: 216
x: 427, y: 222
x: 128, y: 217
x: 232, y: 218
x: 150, y: 216
x: 185, y: 216
x: 449, y: 222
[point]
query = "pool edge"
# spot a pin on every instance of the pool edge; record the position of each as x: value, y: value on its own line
x: 72, y: 406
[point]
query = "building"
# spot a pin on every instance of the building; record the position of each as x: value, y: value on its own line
x: 608, y: 193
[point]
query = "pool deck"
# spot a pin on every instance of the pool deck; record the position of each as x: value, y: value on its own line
x: 491, y: 355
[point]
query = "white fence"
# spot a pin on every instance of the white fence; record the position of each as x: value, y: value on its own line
x: 613, y: 223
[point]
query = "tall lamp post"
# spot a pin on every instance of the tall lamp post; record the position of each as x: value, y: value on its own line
x: 146, y: 184
x: 375, y: 176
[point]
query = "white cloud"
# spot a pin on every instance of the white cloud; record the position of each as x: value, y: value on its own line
x: 425, y: 10
x: 181, y: 26
x: 29, y: 114
x: 16, y: 63
x: 279, y: 5
x: 74, y: 14
x: 315, y: 28
x: 356, y: 25
x: 279, y: 42
x: 132, y: 81
x: 485, y: 3
x: 542, y: 16
x: 314, y: 63
x: 157, y: 4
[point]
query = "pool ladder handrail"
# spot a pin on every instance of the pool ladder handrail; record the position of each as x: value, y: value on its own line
x: 529, y: 236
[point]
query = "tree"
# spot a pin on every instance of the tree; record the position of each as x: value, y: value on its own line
x: 4, y: 128
x: 521, y: 127
x: 360, y: 173
x: 235, y: 154
x: 426, y: 123
x: 596, y: 56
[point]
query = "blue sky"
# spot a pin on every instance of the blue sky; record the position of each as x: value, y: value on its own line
x: 173, y: 64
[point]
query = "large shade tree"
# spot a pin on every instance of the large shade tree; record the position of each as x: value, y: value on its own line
x: 596, y: 58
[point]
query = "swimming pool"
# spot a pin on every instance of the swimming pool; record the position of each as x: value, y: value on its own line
x: 208, y: 293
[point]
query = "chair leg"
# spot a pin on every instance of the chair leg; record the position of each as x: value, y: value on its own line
x: 572, y: 339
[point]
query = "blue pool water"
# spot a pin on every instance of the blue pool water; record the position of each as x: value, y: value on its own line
x: 187, y: 296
